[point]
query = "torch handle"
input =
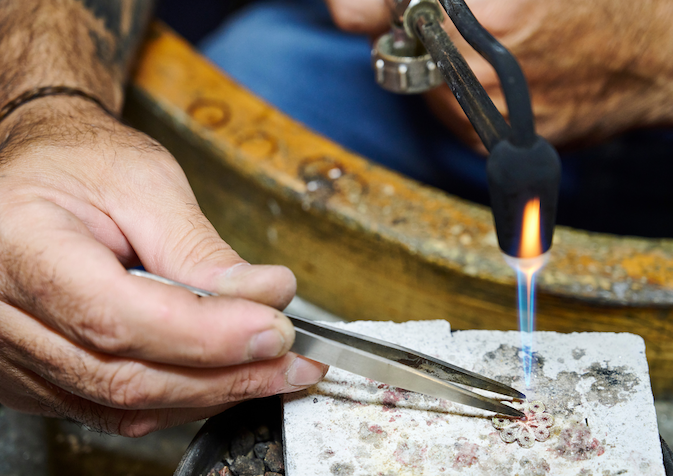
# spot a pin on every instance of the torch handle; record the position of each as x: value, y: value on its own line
x: 480, y: 110
x: 522, y: 166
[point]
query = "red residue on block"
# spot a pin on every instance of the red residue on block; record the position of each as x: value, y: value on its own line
x: 390, y: 398
x: 600, y: 449
x: 576, y: 443
x: 376, y: 429
x: 466, y: 454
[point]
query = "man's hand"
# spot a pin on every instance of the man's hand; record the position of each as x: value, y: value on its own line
x: 82, y: 196
x: 594, y: 68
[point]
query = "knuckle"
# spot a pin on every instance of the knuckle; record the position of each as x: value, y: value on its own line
x: 126, y: 388
x: 205, y: 349
x: 102, y: 331
x: 248, y: 384
x: 164, y: 164
x: 370, y: 17
x: 199, y: 242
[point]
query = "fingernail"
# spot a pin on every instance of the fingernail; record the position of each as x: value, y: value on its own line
x: 267, y: 344
x: 304, y: 372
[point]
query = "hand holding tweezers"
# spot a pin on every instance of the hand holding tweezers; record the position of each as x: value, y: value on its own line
x: 385, y: 362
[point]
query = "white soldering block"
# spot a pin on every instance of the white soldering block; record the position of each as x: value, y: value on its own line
x: 596, y: 386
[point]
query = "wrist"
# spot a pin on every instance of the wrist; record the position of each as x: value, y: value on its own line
x: 51, y: 119
x: 47, y: 91
x: 108, y: 93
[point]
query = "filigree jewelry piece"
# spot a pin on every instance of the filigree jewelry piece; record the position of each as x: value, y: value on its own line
x: 535, y: 427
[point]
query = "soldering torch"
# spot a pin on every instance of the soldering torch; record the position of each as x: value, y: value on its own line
x: 417, y: 55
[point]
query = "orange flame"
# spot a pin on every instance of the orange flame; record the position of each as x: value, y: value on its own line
x: 531, y: 242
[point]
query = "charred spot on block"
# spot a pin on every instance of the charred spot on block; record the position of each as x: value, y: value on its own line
x: 612, y: 385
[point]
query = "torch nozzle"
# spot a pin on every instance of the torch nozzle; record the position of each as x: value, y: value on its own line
x: 522, y: 165
x: 517, y: 176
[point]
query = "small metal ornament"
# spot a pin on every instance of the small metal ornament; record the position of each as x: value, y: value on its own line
x: 536, y: 426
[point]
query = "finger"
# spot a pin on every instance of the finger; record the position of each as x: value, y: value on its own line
x: 76, y: 285
x: 24, y: 404
x: 132, y: 384
x: 135, y: 424
x: 360, y: 16
x: 13, y: 391
x: 173, y: 238
x: 27, y: 392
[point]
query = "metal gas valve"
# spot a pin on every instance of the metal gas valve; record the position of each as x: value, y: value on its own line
x: 401, y: 62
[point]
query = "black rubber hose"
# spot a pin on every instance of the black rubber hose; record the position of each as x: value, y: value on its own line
x: 512, y: 80
x: 480, y: 110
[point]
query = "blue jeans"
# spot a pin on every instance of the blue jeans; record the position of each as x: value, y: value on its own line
x: 289, y: 53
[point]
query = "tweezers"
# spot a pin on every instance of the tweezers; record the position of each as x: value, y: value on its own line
x: 386, y: 362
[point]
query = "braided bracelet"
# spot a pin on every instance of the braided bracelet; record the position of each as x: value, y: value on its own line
x: 45, y: 91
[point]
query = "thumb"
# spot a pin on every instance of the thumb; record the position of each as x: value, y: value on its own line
x: 173, y: 238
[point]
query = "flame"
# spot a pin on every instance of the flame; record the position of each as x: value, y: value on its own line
x: 531, y: 242
x: 527, y: 264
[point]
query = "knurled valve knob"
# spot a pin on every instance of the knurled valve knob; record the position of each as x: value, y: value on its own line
x: 403, y: 66
x: 401, y: 63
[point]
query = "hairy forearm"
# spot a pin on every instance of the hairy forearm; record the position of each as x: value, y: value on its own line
x: 84, y: 44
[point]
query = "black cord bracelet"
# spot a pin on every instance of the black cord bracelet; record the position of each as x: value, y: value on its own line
x: 45, y: 91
